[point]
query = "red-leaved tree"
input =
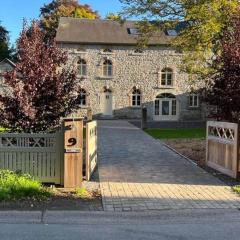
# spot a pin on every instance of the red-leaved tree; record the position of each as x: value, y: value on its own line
x: 42, y: 88
x: 224, y: 91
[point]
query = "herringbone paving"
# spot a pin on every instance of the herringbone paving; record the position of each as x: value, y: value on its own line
x: 138, y: 173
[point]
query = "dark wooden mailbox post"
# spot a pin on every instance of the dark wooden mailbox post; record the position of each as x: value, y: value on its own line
x: 73, y: 148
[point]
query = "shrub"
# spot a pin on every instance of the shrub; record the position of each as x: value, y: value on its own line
x: 18, y: 186
x: 236, y: 189
x: 82, y: 193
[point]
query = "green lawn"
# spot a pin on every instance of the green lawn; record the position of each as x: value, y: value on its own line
x: 2, y: 129
x: 177, y: 133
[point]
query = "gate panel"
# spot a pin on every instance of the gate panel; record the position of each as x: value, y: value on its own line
x: 91, y: 148
x: 222, y: 147
x: 37, y: 154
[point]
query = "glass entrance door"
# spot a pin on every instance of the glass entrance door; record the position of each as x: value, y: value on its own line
x: 166, y: 109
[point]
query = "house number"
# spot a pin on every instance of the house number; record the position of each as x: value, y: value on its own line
x: 72, y: 142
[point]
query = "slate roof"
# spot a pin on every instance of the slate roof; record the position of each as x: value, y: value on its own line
x: 85, y: 31
x: 6, y: 60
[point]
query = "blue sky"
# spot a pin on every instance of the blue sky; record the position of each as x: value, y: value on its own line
x: 13, y: 11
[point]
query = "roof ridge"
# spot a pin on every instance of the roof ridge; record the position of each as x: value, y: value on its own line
x: 96, y: 20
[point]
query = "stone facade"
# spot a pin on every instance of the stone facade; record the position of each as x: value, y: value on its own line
x: 131, y: 70
x: 5, y: 65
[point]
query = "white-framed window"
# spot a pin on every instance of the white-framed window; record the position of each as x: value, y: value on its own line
x: 82, y: 67
x: 107, y: 68
x: 82, y: 98
x: 167, y: 77
x: 193, y: 99
x: 136, y: 97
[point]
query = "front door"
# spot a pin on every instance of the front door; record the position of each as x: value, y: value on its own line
x: 166, y: 109
x: 107, y: 103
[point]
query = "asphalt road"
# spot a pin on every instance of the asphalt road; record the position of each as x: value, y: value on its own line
x: 170, y: 225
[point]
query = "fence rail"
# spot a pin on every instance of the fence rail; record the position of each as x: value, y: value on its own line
x: 222, y: 149
x: 40, y: 155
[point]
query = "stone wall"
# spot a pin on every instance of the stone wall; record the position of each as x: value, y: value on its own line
x: 131, y: 70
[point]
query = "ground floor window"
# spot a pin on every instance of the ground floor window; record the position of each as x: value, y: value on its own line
x: 82, y: 98
x: 193, y: 100
x: 136, y: 98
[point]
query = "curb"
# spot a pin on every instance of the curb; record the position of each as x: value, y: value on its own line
x: 174, y: 150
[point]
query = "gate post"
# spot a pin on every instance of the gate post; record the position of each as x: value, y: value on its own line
x: 73, y: 148
x: 144, y: 118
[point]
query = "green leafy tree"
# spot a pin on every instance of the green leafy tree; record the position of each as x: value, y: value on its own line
x: 113, y: 17
x: 5, y: 50
x: 204, y: 22
x: 51, y: 13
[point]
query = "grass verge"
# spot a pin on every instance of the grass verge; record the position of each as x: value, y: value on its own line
x: 177, y: 133
x: 14, y: 186
x: 236, y: 189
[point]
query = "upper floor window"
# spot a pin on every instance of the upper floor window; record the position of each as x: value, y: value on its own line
x: 82, y: 98
x: 107, y: 68
x: 193, y: 100
x: 167, y: 77
x: 136, y: 98
x: 81, y: 50
x: 107, y: 50
x: 82, y: 67
x: 133, y: 31
x: 138, y: 50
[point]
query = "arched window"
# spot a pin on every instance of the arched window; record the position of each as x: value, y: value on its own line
x: 138, y: 50
x: 82, y: 98
x: 107, y: 68
x: 166, y: 105
x: 136, y: 98
x: 167, y: 77
x: 82, y: 67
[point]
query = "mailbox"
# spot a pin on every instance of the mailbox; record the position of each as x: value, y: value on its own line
x: 73, y: 145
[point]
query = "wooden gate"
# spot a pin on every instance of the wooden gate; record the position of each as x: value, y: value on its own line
x: 91, y: 148
x: 222, y: 150
x: 40, y: 155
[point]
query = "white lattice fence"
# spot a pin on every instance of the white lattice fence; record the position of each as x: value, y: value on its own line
x: 40, y: 155
x: 222, y: 147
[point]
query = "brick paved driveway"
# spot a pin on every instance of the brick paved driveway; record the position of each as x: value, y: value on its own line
x: 138, y: 173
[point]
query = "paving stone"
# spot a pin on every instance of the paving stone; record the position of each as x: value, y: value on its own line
x: 138, y: 173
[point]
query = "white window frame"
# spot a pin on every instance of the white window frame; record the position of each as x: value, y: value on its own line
x: 193, y: 100
x: 81, y: 64
x: 107, y: 68
x: 167, y: 72
x: 136, y: 98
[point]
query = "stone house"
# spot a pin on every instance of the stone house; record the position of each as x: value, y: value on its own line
x: 117, y: 78
x: 5, y: 65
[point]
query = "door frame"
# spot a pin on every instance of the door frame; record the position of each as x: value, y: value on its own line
x: 160, y: 116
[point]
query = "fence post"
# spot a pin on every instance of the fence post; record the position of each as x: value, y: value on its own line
x: 73, y: 148
x: 89, y: 114
x: 144, y: 118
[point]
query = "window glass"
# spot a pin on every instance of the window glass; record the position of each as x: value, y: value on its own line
x: 82, y: 67
x: 136, y: 98
x: 82, y: 97
x: 107, y: 68
x: 167, y: 77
